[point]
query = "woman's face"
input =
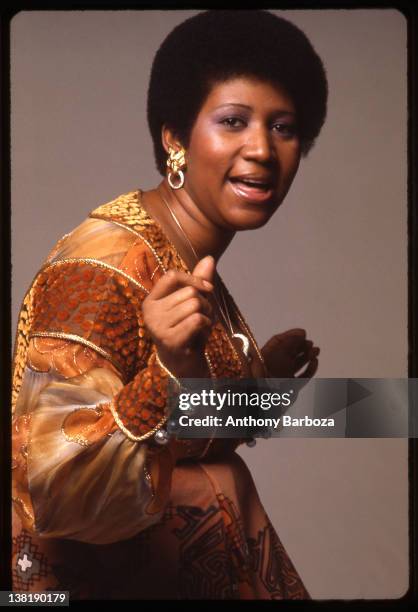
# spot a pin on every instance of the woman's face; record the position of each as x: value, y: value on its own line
x: 243, y: 153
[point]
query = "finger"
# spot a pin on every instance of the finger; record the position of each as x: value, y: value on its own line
x: 175, y: 279
x: 311, y: 353
x: 188, y: 307
x: 304, y: 350
x: 310, y: 370
x: 205, y: 268
x: 181, y: 295
x: 293, y: 339
x: 296, y: 333
x: 190, y: 327
x: 300, y: 362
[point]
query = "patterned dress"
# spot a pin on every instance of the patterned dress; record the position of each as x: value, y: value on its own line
x: 98, y: 508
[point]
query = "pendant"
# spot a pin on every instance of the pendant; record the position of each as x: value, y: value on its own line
x: 245, y: 345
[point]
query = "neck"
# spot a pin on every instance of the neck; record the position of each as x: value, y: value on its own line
x: 166, y: 206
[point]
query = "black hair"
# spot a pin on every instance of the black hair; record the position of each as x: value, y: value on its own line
x: 216, y: 45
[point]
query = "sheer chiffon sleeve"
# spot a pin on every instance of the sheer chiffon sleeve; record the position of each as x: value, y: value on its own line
x: 89, y: 396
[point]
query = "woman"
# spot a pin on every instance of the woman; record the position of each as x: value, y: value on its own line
x: 106, y: 504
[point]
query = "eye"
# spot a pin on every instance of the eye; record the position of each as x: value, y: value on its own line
x: 233, y: 122
x: 289, y: 130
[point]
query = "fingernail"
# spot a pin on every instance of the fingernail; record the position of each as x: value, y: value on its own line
x: 208, y: 284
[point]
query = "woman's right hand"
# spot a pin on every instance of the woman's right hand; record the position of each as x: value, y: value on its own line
x: 179, y: 318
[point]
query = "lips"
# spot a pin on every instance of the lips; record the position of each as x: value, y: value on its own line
x: 252, y: 188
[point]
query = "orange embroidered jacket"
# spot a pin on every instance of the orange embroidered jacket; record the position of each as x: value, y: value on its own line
x: 88, y: 392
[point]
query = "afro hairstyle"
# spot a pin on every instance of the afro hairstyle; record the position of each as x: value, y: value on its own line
x: 215, y: 46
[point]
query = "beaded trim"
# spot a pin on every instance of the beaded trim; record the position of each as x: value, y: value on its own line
x: 97, y: 263
x: 129, y: 434
x: 166, y: 370
x: 79, y: 438
x: 79, y: 340
x: 171, y: 375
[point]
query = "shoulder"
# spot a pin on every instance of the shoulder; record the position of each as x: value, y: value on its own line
x: 94, y: 280
x: 125, y: 209
x: 99, y: 234
x: 118, y: 234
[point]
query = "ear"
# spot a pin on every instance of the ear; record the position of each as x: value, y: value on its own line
x: 169, y: 139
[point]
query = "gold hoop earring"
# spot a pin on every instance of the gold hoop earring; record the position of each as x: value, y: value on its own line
x: 176, y: 161
x: 179, y: 176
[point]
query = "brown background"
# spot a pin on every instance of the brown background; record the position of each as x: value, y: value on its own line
x: 333, y: 260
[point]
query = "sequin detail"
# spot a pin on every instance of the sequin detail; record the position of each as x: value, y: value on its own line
x: 77, y: 298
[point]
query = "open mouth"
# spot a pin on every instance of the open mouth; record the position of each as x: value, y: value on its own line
x: 251, y: 190
x: 252, y: 184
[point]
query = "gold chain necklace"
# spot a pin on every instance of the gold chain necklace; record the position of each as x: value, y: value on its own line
x: 247, y: 329
x: 227, y: 319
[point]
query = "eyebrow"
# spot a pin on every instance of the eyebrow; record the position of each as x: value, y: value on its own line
x: 281, y: 112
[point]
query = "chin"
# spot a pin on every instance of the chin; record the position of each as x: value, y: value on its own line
x: 251, y: 218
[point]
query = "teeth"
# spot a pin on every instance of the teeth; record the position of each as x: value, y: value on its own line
x: 252, y: 183
x: 255, y: 184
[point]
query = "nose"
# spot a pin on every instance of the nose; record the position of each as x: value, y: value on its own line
x: 258, y: 145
